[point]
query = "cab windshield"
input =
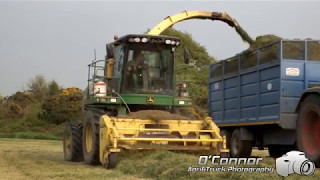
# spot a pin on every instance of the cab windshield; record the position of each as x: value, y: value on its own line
x: 149, y: 69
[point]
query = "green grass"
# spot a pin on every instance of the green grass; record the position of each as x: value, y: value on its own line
x: 30, y: 127
x: 29, y: 135
x: 43, y: 159
x: 171, y: 165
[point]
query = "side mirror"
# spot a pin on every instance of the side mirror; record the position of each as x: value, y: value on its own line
x: 109, y: 49
x: 186, y: 56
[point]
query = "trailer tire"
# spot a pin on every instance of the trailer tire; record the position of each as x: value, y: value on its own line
x: 72, y: 139
x: 226, y: 133
x: 90, y: 138
x: 238, y: 147
x: 308, y: 128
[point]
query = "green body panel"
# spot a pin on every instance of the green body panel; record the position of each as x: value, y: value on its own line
x: 187, y: 102
x: 102, y: 100
x: 142, y: 99
x: 122, y: 111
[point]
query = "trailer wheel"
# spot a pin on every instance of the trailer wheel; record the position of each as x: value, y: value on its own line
x: 112, y: 160
x: 72, y: 147
x: 224, y: 155
x: 238, y: 147
x: 226, y: 133
x: 90, y: 138
x: 308, y: 128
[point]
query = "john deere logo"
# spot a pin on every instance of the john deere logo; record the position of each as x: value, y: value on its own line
x: 150, y: 99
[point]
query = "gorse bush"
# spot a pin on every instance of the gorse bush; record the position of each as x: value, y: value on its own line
x: 62, y: 107
x: 15, y: 105
x: 25, y: 112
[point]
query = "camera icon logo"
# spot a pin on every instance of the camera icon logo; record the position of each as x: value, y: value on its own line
x: 294, y: 162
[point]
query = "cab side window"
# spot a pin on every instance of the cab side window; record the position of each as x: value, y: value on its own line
x: 117, y: 67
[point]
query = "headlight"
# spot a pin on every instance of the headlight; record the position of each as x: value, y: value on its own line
x: 144, y: 40
x: 181, y: 102
x: 136, y: 39
x: 168, y: 41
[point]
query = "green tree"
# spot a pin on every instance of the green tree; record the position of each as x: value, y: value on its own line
x: 196, y: 72
x: 38, y: 87
x: 1, y: 99
x: 53, y: 88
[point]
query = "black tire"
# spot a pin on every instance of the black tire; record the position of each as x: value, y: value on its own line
x: 238, y: 147
x: 112, y: 160
x: 308, y: 128
x: 226, y: 133
x: 224, y: 155
x: 91, y: 131
x: 276, y: 151
x: 72, y: 142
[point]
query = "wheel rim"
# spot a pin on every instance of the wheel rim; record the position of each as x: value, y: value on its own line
x: 89, y: 136
x: 68, y: 144
x: 311, y: 133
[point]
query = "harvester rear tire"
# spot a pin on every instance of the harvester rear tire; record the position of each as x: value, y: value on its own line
x: 308, y: 128
x: 112, y: 160
x: 90, y: 138
x: 72, y: 139
x: 238, y: 147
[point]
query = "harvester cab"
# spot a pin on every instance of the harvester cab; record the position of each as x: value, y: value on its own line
x: 137, y: 74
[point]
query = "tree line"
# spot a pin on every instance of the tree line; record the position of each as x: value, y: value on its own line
x: 48, y: 101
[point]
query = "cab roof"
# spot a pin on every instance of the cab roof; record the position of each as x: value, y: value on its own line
x: 150, y: 39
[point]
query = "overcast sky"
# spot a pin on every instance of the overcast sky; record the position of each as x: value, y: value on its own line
x: 57, y: 38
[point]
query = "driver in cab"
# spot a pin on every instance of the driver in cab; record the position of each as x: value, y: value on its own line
x: 137, y: 64
x: 137, y: 72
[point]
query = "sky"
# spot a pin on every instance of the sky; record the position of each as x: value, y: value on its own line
x: 57, y: 39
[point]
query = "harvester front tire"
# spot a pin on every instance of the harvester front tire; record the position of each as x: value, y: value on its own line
x: 308, y: 128
x: 72, y: 139
x: 238, y: 147
x: 90, y: 138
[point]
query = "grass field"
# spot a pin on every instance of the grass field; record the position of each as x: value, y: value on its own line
x: 43, y: 159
